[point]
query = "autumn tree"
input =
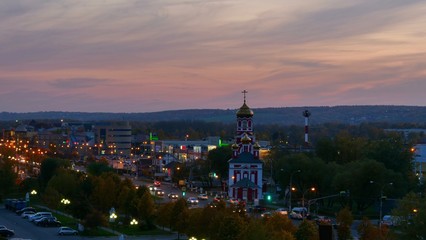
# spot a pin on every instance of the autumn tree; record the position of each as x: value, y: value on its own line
x: 307, y: 231
x: 344, y: 220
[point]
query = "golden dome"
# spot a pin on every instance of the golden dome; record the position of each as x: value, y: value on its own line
x: 235, y: 146
x: 244, y: 111
x: 246, y: 138
x: 256, y: 145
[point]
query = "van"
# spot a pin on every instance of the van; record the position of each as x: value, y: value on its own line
x: 39, y: 215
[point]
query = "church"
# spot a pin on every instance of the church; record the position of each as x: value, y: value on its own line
x: 245, y: 167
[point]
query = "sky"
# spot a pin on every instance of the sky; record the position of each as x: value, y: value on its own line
x: 157, y: 55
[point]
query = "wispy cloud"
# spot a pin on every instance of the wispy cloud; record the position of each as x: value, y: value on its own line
x: 79, y: 83
x: 197, y: 53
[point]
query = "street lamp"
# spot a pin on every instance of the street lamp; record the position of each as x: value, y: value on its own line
x: 291, y: 187
x: 381, y: 203
x: 65, y: 201
x: 134, y: 222
x: 312, y: 189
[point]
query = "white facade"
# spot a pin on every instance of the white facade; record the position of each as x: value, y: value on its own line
x: 420, y: 160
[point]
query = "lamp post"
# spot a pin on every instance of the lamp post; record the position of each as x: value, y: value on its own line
x: 312, y: 189
x: 134, y: 222
x: 381, y: 203
x: 291, y: 188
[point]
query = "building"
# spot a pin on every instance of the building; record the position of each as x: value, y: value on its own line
x: 245, y: 167
x: 114, y: 138
x: 420, y: 160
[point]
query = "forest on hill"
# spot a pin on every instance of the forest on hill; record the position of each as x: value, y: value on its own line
x: 280, y: 116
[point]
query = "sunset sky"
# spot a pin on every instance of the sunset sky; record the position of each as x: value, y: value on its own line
x: 155, y: 55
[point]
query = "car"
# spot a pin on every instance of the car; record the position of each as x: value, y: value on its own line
x: 48, y: 222
x: 233, y: 201
x: 282, y: 211
x: 26, y: 214
x: 203, y: 196
x: 159, y: 192
x: 152, y: 188
x: 39, y: 215
x: 266, y: 214
x: 25, y: 209
x: 173, y: 195
x: 298, y: 213
x: 192, y: 200
x: 258, y: 209
x: 157, y: 183
x: 44, y: 219
x: 390, y: 220
x: 5, y: 232
x: 322, y: 220
x: 67, y: 231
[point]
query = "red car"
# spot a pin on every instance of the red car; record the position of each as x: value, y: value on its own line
x: 157, y: 183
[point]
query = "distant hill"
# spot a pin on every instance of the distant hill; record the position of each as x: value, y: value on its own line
x: 282, y: 116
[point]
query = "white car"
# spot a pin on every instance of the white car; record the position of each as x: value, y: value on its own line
x: 192, y: 200
x: 27, y: 214
x: 282, y: 211
x: 67, y: 231
x: 203, y: 196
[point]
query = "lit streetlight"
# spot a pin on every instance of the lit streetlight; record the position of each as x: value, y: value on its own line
x: 291, y: 188
x: 134, y: 222
x: 65, y: 201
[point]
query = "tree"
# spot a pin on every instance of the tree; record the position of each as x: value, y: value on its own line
x: 94, y: 219
x: 411, y: 213
x: 48, y: 169
x: 98, y: 168
x: 146, y: 209
x: 229, y: 227
x: 258, y: 230
x: 344, y: 220
x: 218, y: 160
x: 179, y: 216
x: 307, y: 231
x: 279, y: 223
x: 362, y: 178
x: 367, y: 231
x: 7, y: 176
x: 164, y: 215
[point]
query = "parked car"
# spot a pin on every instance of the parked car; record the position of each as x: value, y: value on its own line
x: 26, y: 214
x: 39, y: 215
x: 25, y: 209
x: 48, y: 222
x: 203, y: 196
x: 5, y: 232
x: 173, y: 196
x: 67, y: 231
x: 43, y: 219
x: 192, y: 200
